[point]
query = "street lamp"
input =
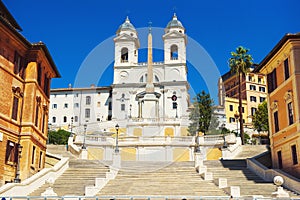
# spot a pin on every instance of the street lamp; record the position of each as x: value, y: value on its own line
x: 117, y: 138
x: 83, y: 146
x: 17, y: 178
x: 236, y: 116
x: 130, y: 106
x: 72, y: 118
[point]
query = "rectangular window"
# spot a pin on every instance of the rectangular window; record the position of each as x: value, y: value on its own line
x: 46, y: 85
x: 76, y: 105
x: 231, y: 107
x: 231, y: 119
x: 65, y: 105
x: 76, y: 119
x: 17, y: 63
x: 14, y: 114
x: 286, y: 69
x: 290, y: 113
x: 33, y: 155
x: 294, y: 154
x: 11, y: 155
x: 259, y: 80
x: 252, y: 98
x: 39, y: 78
x: 43, y: 122
x: 272, y: 81
x: 262, y: 99
x: 41, y: 159
x: 109, y: 106
x: 262, y: 89
x: 279, y: 157
x: 250, y: 78
x: 122, y: 107
x: 252, y: 87
x: 54, y: 106
x: 87, y: 113
x: 276, y: 122
x: 88, y: 100
x: 37, y: 115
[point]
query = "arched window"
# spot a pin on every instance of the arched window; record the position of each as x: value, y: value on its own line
x: 124, y: 55
x: 65, y: 118
x: 174, y: 52
x: 53, y: 119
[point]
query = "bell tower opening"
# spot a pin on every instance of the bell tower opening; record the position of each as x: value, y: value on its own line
x: 174, y: 52
x: 124, y: 55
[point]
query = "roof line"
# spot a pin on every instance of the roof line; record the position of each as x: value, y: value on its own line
x: 275, y: 49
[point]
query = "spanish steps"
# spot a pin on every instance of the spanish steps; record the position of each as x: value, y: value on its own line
x: 149, y: 178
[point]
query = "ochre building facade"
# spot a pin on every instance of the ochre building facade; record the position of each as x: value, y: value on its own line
x: 282, y: 67
x: 26, y: 70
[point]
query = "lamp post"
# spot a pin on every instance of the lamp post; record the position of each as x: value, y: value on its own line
x: 17, y: 177
x: 117, y: 138
x: 72, y: 118
x: 236, y: 116
x: 130, y: 106
x: 83, y: 146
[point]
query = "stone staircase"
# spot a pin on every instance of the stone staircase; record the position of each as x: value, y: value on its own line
x: 60, y: 150
x: 80, y: 173
x: 237, y: 174
x: 159, y: 178
x: 249, y: 151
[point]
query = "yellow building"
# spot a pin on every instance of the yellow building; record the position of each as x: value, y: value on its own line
x: 282, y: 67
x: 26, y: 70
x: 232, y: 109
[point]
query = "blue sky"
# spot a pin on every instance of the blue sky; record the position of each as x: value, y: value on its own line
x: 71, y: 29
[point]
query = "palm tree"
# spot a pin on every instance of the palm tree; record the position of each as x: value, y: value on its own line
x: 239, y: 63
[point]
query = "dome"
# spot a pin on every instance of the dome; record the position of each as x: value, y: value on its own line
x: 126, y: 26
x: 174, y: 23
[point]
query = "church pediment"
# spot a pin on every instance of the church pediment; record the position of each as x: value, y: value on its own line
x: 173, y: 34
x: 126, y: 37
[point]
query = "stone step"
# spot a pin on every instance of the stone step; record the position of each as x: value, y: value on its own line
x: 164, y: 179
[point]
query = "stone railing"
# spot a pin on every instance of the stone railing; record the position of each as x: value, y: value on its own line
x: 290, y: 182
x: 29, y: 185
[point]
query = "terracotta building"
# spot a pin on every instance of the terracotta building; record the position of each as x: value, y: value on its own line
x: 282, y: 67
x: 26, y: 70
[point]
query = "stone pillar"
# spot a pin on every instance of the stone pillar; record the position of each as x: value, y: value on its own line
x: 116, y: 160
x: 84, y: 154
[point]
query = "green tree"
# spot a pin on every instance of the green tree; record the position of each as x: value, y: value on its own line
x: 201, y: 113
x: 260, y: 119
x: 240, y: 63
x: 58, y: 137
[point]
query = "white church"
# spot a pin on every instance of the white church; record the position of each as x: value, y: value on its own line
x: 145, y: 99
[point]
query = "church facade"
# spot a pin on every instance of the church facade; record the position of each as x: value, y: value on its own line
x: 151, y: 99
x: 145, y: 99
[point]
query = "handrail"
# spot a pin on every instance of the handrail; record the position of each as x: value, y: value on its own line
x: 35, y: 181
x: 290, y: 182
